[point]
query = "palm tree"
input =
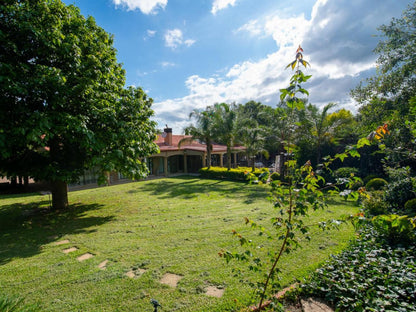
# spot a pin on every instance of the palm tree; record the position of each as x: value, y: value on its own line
x: 202, y: 131
x: 226, y: 127
x: 320, y: 126
x: 251, y: 133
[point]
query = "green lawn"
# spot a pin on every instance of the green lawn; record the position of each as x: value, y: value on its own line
x: 175, y: 225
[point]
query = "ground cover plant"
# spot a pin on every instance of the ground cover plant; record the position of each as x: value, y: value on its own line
x: 371, y: 275
x: 139, y: 232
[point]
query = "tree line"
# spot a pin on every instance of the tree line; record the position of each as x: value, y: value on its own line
x: 387, y: 98
x: 64, y: 106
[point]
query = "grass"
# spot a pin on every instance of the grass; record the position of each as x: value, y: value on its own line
x: 175, y: 225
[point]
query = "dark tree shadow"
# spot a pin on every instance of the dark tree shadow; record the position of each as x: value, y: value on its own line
x: 24, y: 228
x: 192, y: 187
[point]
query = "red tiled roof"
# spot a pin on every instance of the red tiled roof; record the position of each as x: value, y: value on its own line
x: 194, y: 145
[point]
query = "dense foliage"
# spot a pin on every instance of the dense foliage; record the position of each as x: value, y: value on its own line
x: 234, y: 174
x: 63, y: 105
x: 370, y: 275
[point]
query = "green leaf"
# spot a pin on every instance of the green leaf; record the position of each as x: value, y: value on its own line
x: 362, y: 142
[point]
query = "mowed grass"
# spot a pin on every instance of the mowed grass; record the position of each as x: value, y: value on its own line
x: 175, y: 225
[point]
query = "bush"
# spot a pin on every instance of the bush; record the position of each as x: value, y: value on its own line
x: 375, y: 184
x: 399, y: 192
x: 275, y: 176
x: 410, y: 208
x: 234, y: 174
x: 375, y: 205
x: 396, y: 230
x: 369, y: 177
x: 346, y: 178
x: 346, y: 172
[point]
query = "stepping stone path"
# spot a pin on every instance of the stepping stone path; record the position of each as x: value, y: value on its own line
x: 170, y: 279
x: 85, y: 257
x: 214, y: 291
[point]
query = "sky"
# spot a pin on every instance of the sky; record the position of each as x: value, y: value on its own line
x: 189, y: 54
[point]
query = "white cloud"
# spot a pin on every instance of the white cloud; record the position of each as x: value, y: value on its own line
x: 174, y: 39
x: 167, y: 64
x: 151, y: 33
x: 146, y: 6
x: 221, y: 4
x: 338, y: 43
x: 253, y: 27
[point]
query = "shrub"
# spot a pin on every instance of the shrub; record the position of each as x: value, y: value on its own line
x: 234, y: 174
x: 346, y: 172
x: 369, y: 177
x: 399, y: 192
x: 375, y: 184
x: 346, y: 177
x: 375, y: 205
x: 396, y: 230
x: 275, y: 176
x: 410, y: 208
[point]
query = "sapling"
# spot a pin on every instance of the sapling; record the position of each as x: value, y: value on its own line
x: 297, y: 191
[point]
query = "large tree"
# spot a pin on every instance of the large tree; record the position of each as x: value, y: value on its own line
x: 389, y: 96
x: 63, y: 104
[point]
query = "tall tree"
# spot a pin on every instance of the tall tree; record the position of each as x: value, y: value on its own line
x: 387, y: 96
x: 316, y: 127
x: 396, y: 61
x: 63, y: 104
x: 251, y: 129
x: 203, y: 130
x: 226, y: 127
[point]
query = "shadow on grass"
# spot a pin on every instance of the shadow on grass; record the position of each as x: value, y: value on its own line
x: 24, y: 228
x: 192, y: 187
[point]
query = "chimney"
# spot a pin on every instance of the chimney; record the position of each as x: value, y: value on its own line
x: 168, y: 136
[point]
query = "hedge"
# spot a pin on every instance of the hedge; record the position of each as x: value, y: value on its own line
x: 234, y: 174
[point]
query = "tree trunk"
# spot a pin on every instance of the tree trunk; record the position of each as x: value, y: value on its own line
x: 59, y: 195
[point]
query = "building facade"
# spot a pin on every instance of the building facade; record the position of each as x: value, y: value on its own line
x: 189, y: 157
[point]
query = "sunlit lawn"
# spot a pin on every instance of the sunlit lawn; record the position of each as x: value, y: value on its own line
x: 175, y: 225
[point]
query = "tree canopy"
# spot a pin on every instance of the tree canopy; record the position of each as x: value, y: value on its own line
x: 64, y: 107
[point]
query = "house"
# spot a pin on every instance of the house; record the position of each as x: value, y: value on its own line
x: 171, y: 160
x: 189, y: 157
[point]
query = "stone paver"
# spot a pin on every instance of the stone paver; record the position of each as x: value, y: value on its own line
x: 85, y: 257
x: 68, y: 250
x: 171, y: 279
x: 214, y: 291
x: 131, y: 274
x: 103, y: 265
x: 312, y: 305
x: 62, y: 242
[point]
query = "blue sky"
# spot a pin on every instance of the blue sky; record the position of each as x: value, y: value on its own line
x: 188, y: 54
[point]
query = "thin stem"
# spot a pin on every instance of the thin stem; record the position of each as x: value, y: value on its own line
x: 282, y: 248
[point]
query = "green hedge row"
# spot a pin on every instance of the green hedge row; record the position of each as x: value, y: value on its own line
x: 234, y: 174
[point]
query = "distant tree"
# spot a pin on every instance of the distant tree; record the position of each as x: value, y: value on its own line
x: 203, y: 130
x: 226, y: 127
x: 63, y: 104
x: 252, y: 129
